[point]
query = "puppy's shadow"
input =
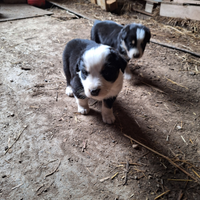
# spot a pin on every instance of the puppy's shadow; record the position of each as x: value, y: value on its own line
x: 126, y: 124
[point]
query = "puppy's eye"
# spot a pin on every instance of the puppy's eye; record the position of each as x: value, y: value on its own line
x: 84, y: 72
x: 133, y: 42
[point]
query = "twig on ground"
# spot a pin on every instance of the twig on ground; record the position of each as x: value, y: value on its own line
x: 53, y: 170
x: 126, y: 172
x: 181, y: 180
x: 114, y: 176
x: 176, y: 83
x: 17, y: 186
x: 169, y: 160
x: 184, y: 140
x: 154, y: 87
x: 89, y: 170
x: 180, y: 195
x: 84, y: 145
x: 196, y: 173
x: 104, y: 179
x: 45, y: 188
x: 16, y: 139
x: 40, y: 187
x: 172, y: 128
x: 131, y: 163
x: 161, y: 194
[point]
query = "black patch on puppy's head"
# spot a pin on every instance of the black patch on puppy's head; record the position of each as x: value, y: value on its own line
x: 147, y: 35
x: 112, y: 66
x: 80, y: 67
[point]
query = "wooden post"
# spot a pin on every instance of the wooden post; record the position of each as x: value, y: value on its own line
x: 93, y: 1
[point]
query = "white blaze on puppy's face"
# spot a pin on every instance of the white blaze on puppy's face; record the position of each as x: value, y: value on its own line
x: 94, y: 61
x: 140, y: 38
x: 137, y: 51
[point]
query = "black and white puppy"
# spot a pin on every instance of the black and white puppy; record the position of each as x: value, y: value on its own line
x: 129, y: 40
x: 93, y: 71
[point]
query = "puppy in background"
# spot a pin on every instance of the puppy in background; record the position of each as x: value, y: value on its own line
x: 93, y: 71
x: 129, y: 40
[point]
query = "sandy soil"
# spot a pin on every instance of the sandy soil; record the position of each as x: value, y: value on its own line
x: 59, y: 154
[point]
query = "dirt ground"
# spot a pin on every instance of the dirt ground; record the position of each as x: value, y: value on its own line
x: 58, y: 154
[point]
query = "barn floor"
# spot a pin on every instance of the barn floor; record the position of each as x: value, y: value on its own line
x: 58, y: 154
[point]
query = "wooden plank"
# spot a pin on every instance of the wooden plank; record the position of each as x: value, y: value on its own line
x: 102, y: 4
x: 20, y: 11
x: 154, y: 1
x: 187, y: 1
x: 63, y: 6
x: 143, y: 12
x: 93, y: 1
x: 180, y: 11
x: 149, y: 7
x: 111, y: 5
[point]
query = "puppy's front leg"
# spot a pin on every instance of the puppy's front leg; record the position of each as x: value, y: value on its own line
x: 127, y: 73
x: 83, y: 107
x: 107, y: 110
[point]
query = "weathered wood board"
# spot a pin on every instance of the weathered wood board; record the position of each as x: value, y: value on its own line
x: 187, y: 1
x: 180, y: 11
x: 20, y: 11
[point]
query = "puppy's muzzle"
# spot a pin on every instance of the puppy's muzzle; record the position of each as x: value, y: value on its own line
x: 95, y: 92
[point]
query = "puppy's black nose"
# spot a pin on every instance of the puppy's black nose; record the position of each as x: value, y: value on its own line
x: 136, y: 55
x: 95, y: 92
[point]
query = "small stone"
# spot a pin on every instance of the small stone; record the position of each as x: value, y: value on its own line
x: 4, y: 176
x: 149, y: 177
x: 179, y: 127
x: 11, y: 80
x: 192, y: 73
x: 135, y: 146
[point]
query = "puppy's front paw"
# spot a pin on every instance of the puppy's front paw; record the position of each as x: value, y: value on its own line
x: 69, y: 91
x: 108, y: 118
x: 127, y: 76
x: 83, y: 110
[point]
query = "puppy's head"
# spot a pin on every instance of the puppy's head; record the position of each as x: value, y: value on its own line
x: 100, y: 70
x: 133, y: 39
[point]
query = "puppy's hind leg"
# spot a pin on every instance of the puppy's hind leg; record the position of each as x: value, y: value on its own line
x: 107, y: 110
x: 83, y: 107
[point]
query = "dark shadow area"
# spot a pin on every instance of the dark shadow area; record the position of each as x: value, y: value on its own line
x: 177, y: 95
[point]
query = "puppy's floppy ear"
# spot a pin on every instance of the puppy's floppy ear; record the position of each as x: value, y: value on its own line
x: 123, y: 33
x: 147, y: 34
x: 121, y: 63
x: 79, y: 60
